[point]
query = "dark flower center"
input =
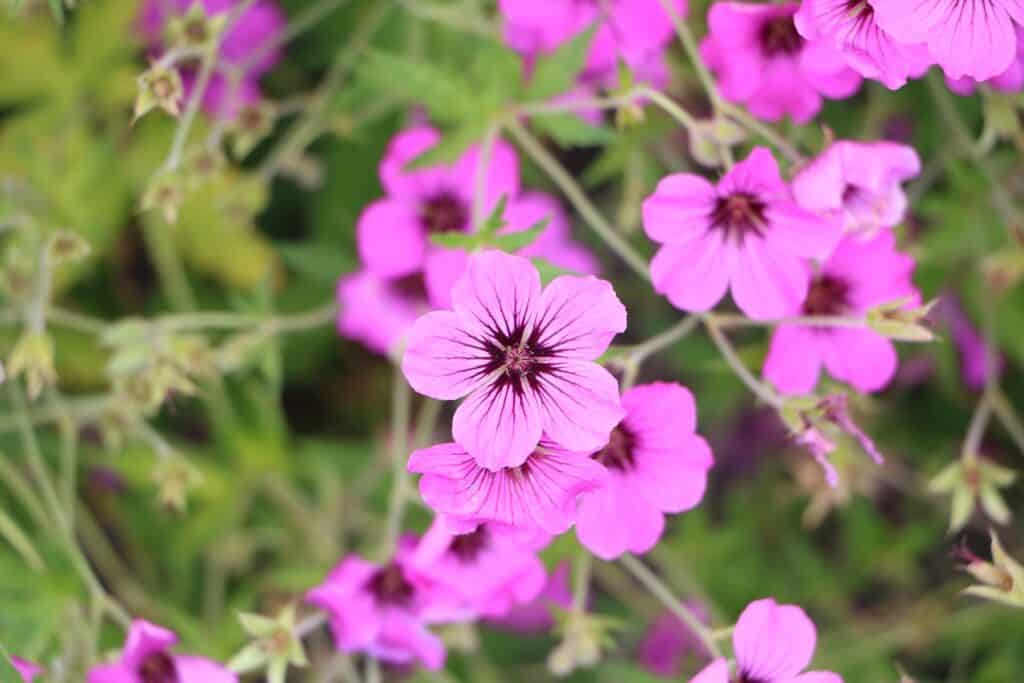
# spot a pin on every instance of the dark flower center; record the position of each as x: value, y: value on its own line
x: 738, y: 215
x: 827, y: 295
x: 411, y: 286
x: 618, y: 454
x: 519, y: 358
x: 390, y: 587
x: 158, y: 667
x: 467, y: 547
x: 780, y: 37
x: 444, y: 212
x: 747, y: 678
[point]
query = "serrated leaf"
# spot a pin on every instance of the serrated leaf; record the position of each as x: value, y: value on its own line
x: 570, y: 130
x: 450, y: 148
x: 514, y: 241
x: 556, y: 73
x: 446, y: 94
x: 456, y: 240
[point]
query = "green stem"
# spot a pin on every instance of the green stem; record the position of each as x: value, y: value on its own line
x: 641, y: 352
x: 401, y: 403
x: 581, y: 588
x: 760, y: 390
x: 1008, y: 416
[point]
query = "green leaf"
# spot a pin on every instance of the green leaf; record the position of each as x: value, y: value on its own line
x: 446, y: 94
x: 450, y: 148
x: 496, y: 221
x: 457, y: 240
x: 570, y: 130
x: 514, y: 241
x: 556, y: 73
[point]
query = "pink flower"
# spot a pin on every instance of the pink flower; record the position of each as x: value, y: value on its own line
x: 969, y: 343
x: 378, y: 312
x: 247, y: 41
x: 975, y: 38
x: 746, y: 234
x: 525, y: 357
x: 383, y: 610
x: 1011, y: 80
x: 857, y: 277
x: 851, y: 27
x: 761, y: 60
x: 146, y: 658
x: 667, y: 643
x: 637, y: 31
x: 773, y: 644
x: 537, y: 615
x: 393, y: 233
x: 487, y: 570
x: 818, y: 445
x: 539, y: 495
x: 656, y: 464
x: 858, y: 184
x: 27, y: 670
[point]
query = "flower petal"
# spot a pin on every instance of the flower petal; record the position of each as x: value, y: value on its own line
x: 444, y: 357
x: 610, y: 521
x: 768, y: 283
x: 201, y: 670
x: 502, y: 177
x: 390, y: 239
x: 498, y: 292
x: 861, y: 357
x: 680, y: 209
x: 715, y: 672
x: 693, y: 276
x: 500, y: 423
x: 401, y: 183
x: 578, y: 317
x: 794, y: 361
x: 579, y: 404
x: 773, y: 642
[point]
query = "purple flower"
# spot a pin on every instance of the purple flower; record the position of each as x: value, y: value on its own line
x: 539, y: 495
x: 146, y: 658
x: 1011, y: 80
x: 969, y: 343
x: 975, y: 38
x: 668, y: 641
x: 762, y: 61
x: 858, y: 184
x: 656, y: 464
x: 378, y: 312
x: 27, y: 670
x: 537, y: 615
x: 851, y: 27
x: 858, y: 276
x: 773, y: 644
x: 525, y: 358
x: 747, y: 234
x: 486, y: 569
x: 383, y: 610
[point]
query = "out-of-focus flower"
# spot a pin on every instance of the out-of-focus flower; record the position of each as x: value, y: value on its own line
x: 525, y: 357
x: 165, y: 193
x: 537, y: 615
x: 809, y: 421
x: 486, y: 570
x: 27, y: 670
x: 979, y: 41
x: 1009, y: 81
x: 275, y: 645
x: 147, y: 657
x: 539, y: 495
x: 1001, y: 580
x: 970, y: 481
x: 719, y: 238
x: 762, y: 61
x: 65, y: 247
x: 656, y: 464
x: 175, y: 477
x: 379, y: 313
x: 852, y: 28
x: 159, y: 88
x: 584, y: 637
x: 668, y: 642
x: 858, y: 276
x: 773, y: 644
x: 858, y: 184
x: 818, y: 445
x: 969, y: 343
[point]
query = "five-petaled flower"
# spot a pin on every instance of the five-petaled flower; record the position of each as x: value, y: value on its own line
x: 146, y: 658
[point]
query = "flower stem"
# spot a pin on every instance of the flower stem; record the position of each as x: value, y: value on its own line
x: 581, y: 580
x: 641, y: 352
x: 760, y: 390
x: 401, y: 402
x: 1008, y: 416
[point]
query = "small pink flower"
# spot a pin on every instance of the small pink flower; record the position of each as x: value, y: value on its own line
x: 762, y: 61
x: 536, y: 616
x: 975, y: 38
x: 379, y: 313
x: 539, y: 495
x: 27, y: 670
x: 747, y: 234
x: 525, y: 358
x: 383, y: 610
x: 1010, y: 81
x: 247, y: 40
x: 858, y: 184
x: 857, y: 277
x: 393, y: 233
x: 486, y: 570
x: 656, y: 465
x: 146, y: 658
x: 773, y: 643
x: 851, y: 27
x: 818, y: 445
x: 636, y: 31
x: 668, y: 642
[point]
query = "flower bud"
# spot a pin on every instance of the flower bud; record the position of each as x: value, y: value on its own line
x: 195, y: 28
x: 970, y: 481
x: 251, y: 125
x: 159, y: 87
x: 175, y: 477
x: 895, y: 321
x: 1001, y: 580
x: 166, y: 193
x: 275, y: 645
x: 32, y: 358
x: 66, y: 247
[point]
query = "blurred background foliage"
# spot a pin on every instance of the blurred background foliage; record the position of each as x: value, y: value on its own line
x: 292, y: 448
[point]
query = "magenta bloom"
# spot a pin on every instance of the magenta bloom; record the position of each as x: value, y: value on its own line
x: 539, y: 495
x: 146, y: 658
x: 858, y: 184
x: 383, y: 611
x: 762, y: 61
x: 969, y: 343
x: 393, y: 233
x: 377, y: 312
x: 27, y: 670
x: 486, y: 570
x: 857, y: 277
x: 656, y: 464
x: 636, y: 31
x: 1011, y: 80
x: 773, y: 644
x: 525, y: 357
x: 851, y: 27
x: 747, y: 234
x: 667, y: 643
x: 247, y: 40
x: 536, y: 615
x: 975, y: 38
